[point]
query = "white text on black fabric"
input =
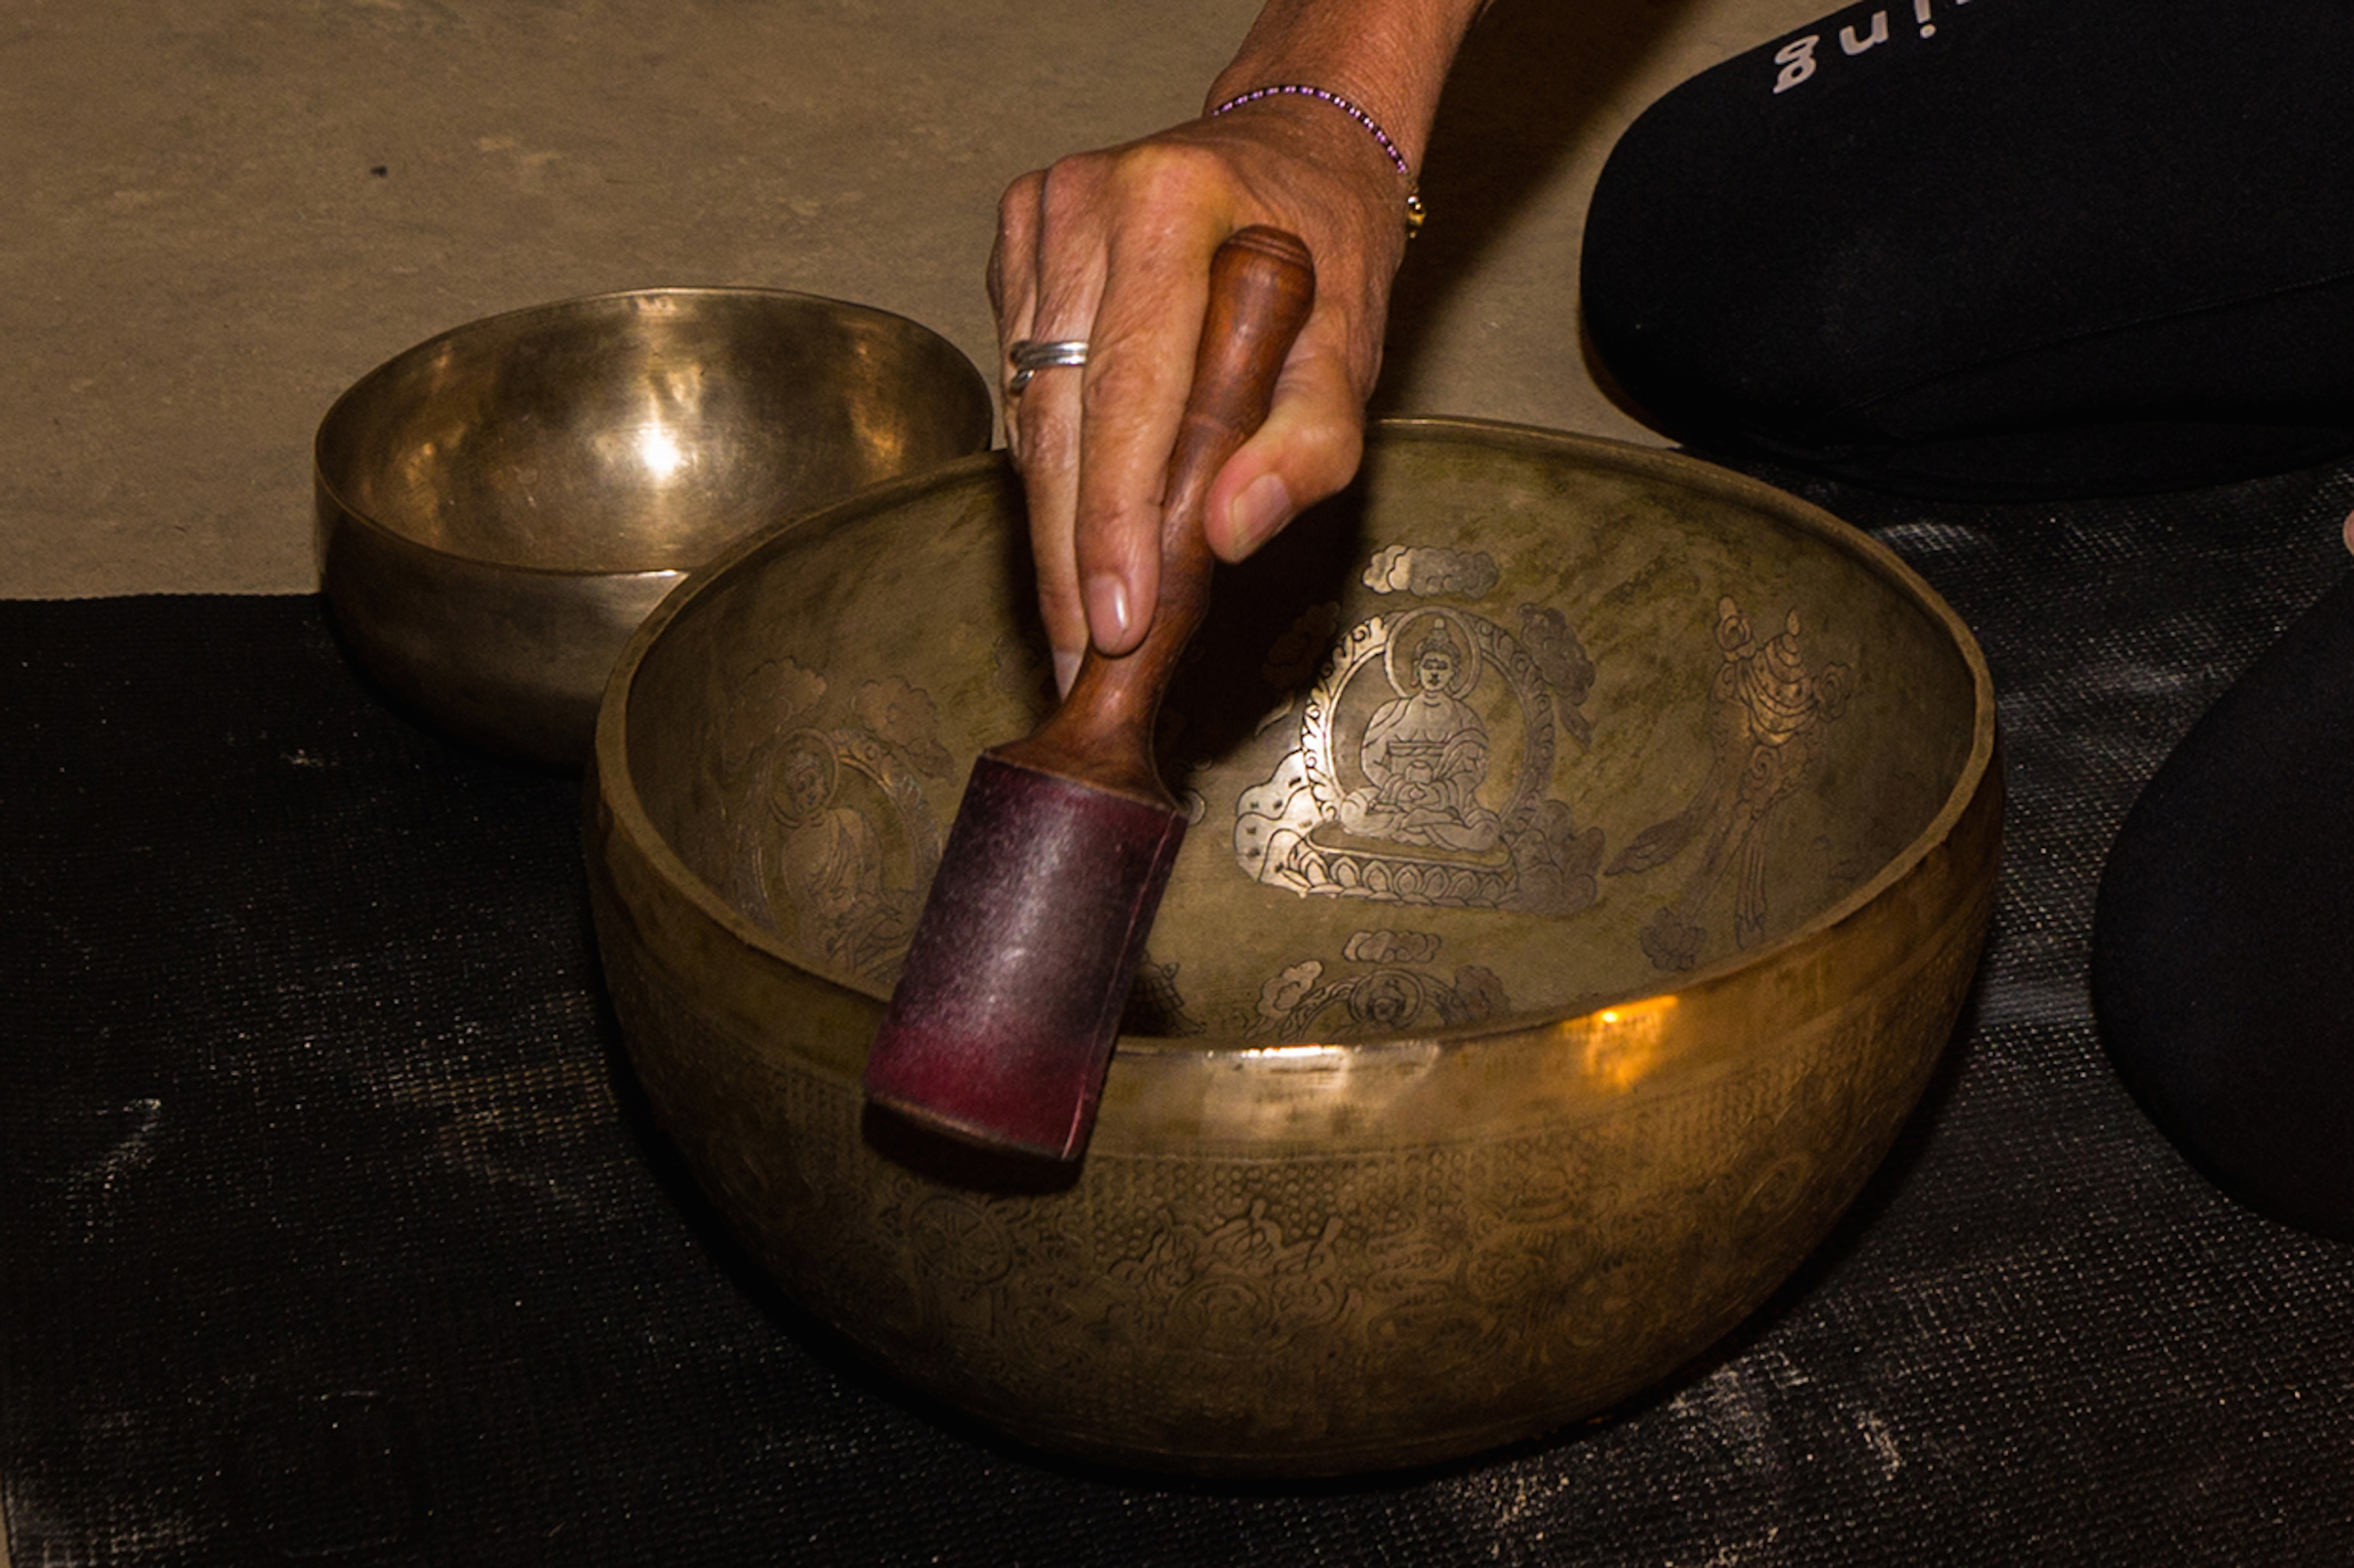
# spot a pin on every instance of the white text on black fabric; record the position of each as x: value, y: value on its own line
x: 1799, y: 58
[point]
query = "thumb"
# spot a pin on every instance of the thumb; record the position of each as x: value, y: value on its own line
x: 1307, y: 449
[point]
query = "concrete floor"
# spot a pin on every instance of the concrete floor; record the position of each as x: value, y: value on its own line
x: 219, y: 213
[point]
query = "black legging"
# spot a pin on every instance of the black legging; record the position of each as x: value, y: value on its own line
x: 1991, y: 248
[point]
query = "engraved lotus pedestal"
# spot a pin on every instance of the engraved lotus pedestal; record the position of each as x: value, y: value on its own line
x: 1591, y: 853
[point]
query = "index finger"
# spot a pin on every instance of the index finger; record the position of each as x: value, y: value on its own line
x: 1148, y: 328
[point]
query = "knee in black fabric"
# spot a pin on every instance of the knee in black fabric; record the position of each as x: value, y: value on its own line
x: 2219, y: 944
x: 1986, y: 247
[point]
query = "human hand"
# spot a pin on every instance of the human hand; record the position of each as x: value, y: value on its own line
x: 1114, y: 248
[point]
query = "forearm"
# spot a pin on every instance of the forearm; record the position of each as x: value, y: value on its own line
x: 1388, y: 56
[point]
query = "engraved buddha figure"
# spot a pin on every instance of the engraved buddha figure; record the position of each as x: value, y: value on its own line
x: 1426, y: 756
x: 829, y: 863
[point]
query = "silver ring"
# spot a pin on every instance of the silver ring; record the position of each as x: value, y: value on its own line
x: 1030, y: 356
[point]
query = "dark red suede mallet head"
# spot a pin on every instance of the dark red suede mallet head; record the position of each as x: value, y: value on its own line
x: 1011, y: 997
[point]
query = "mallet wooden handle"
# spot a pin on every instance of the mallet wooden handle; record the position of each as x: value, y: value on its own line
x: 1008, y: 1006
x: 1262, y: 285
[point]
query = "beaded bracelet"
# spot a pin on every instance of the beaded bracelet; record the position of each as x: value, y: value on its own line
x: 1414, y: 208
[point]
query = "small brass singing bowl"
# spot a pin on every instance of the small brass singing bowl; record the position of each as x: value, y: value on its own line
x: 499, y: 506
x: 1592, y: 852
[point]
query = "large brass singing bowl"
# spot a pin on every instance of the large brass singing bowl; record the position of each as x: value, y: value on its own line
x: 499, y: 507
x: 1593, y: 852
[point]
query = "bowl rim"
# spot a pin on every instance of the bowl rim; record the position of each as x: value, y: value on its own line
x: 327, y: 490
x: 614, y: 785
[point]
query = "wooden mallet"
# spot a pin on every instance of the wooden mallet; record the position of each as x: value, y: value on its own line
x: 1009, y: 1004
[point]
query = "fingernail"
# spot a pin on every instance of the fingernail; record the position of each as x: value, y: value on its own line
x: 1067, y: 670
x: 1263, y: 506
x: 1107, y: 609
x: 2349, y: 531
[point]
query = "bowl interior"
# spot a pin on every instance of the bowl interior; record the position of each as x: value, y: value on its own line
x: 644, y: 430
x: 1519, y: 724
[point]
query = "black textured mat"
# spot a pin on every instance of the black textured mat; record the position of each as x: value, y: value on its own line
x: 332, y: 1232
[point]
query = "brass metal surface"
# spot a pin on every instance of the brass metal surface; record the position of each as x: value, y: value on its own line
x: 1592, y: 853
x: 499, y: 507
